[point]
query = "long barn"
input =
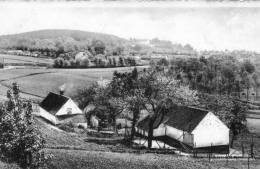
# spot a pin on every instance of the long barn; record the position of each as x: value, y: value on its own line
x: 189, y: 128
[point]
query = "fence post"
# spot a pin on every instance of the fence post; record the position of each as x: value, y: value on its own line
x: 209, y: 153
x: 243, y: 150
x: 227, y: 159
x: 248, y: 167
x: 252, y: 147
x: 195, y: 150
x: 252, y: 150
x: 211, y: 150
x: 164, y: 135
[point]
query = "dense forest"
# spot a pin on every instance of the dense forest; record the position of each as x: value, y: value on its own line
x: 214, y: 75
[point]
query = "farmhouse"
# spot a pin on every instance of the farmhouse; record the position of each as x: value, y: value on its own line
x: 189, y: 128
x: 58, y: 108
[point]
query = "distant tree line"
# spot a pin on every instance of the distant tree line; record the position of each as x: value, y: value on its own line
x: 213, y: 75
x: 100, y: 62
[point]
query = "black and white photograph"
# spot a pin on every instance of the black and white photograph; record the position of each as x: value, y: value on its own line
x: 138, y: 84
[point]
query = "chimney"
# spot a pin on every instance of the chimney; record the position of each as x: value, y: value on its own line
x: 62, y: 89
x: 61, y: 92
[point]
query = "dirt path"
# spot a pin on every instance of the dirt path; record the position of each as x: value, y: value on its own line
x: 31, y: 74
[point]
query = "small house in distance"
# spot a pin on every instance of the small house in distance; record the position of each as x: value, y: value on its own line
x: 57, y: 109
x: 190, y: 129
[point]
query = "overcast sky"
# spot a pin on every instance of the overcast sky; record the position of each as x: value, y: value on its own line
x: 203, y: 25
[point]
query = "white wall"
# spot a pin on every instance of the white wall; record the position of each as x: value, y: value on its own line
x: 69, y: 104
x: 43, y: 113
x: 174, y: 133
x: 159, y: 131
x: 209, y: 131
x: 163, y: 130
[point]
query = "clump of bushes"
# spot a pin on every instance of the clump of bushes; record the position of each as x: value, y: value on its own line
x: 68, y: 127
x: 20, y: 139
x: 1, y: 65
x: 99, y: 61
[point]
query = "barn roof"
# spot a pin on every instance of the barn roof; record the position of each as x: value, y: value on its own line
x: 180, y: 117
x: 53, y: 102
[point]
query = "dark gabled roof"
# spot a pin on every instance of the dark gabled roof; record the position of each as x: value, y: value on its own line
x: 53, y: 102
x: 180, y: 117
x: 144, y: 123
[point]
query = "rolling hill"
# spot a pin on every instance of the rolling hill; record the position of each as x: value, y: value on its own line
x: 56, y: 41
x: 77, y: 35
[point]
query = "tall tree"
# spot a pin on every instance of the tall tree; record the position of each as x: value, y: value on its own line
x: 160, y: 92
x: 20, y: 140
x: 124, y: 87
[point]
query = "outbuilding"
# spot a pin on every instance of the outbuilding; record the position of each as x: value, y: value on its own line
x: 57, y: 108
x: 189, y: 128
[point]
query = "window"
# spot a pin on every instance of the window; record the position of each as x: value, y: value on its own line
x: 69, y: 110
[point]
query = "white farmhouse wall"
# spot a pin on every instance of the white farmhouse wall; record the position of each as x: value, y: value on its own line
x: 174, y: 133
x: 159, y: 131
x: 43, y: 113
x: 209, y: 131
x: 69, y: 105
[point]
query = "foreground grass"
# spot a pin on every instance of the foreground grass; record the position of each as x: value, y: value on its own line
x: 8, y: 166
x: 67, y: 159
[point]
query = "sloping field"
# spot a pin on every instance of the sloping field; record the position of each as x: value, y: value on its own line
x: 14, y: 59
x: 58, y: 139
x: 41, y: 81
x: 9, y: 74
x: 253, y: 125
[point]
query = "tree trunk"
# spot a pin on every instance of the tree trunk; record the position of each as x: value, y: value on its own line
x: 135, y: 118
x: 114, y: 125
x: 232, y: 141
x: 150, y: 133
x: 233, y: 137
x: 247, y: 93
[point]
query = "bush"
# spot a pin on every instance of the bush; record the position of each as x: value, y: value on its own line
x: 20, y: 139
x: 68, y: 127
x: 59, y: 63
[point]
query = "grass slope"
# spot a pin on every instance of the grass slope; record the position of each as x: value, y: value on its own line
x: 19, y: 60
x: 41, y: 81
x: 66, y: 159
x: 8, y: 166
x: 58, y: 139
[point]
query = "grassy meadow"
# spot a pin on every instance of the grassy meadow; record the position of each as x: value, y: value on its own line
x: 40, y: 81
x: 79, y: 159
x: 66, y: 159
x: 20, y: 60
